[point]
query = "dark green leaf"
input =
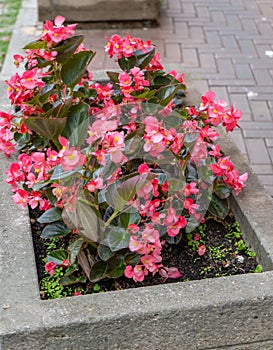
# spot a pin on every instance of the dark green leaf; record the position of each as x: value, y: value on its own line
x: 116, y: 238
x: 67, y: 47
x: 115, y: 267
x: 143, y: 59
x: 127, y: 63
x: 98, y: 271
x: 221, y: 190
x: 71, y: 269
x: 59, y: 173
x: 113, y: 76
x: 74, y: 249
x: 129, y: 218
x: 105, y: 253
x: 84, y: 218
x: 74, y: 69
x: 161, y: 80
x: 132, y: 258
x: 58, y: 256
x: 119, y: 193
x: 69, y: 280
x: 36, y: 45
x: 57, y: 229
x: 49, y: 128
x: 218, y: 207
x: 51, y: 215
x: 77, y: 124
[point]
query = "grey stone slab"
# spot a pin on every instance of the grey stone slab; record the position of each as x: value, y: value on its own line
x: 99, y: 10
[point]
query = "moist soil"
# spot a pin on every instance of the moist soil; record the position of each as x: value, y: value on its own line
x: 224, y: 256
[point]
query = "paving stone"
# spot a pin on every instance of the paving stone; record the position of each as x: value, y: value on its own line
x: 260, y: 110
x: 263, y: 77
x: 243, y: 71
x: 257, y: 151
x: 190, y: 58
x: 262, y: 169
x: 230, y: 42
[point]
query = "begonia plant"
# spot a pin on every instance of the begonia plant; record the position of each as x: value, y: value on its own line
x: 119, y: 167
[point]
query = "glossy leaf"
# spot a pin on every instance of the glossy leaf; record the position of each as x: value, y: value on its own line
x: 74, y: 249
x: 74, y: 69
x: 105, y: 253
x: 58, y: 256
x: 36, y: 45
x: 115, y: 267
x: 56, y: 229
x: 69, y: 280
x: 51, y: 215
x: 132, y: 259
x: 59, y: 173
x: 143, y: 59
x: 50, y: 128
x: 129, y: 218
x: 218, y: 207
x: 127, y: 63
x: 84, y: 218
x: 221, y: 190
x: 113, y: 76
x: 118, y: 194
x: 116, y: 238
x: 67, y: 47
x: 77, y: 124
x: 98, y: 271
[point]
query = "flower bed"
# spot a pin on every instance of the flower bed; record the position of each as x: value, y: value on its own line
x: 47, y: 324
x: 120, y: 171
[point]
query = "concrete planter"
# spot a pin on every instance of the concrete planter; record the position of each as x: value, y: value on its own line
x: 100, y: 10
x: 220, y: 313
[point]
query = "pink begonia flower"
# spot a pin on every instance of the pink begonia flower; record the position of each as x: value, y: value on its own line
x: 208, y: 134
x: 201, y: 250
x: 135, y: 244
x: 76, y: 294
x: 171, y: 272
x: 200, y: 151
x: 57, y: 32
x: 143, y: 169
x: 190, y: 205
x: 190, y: 189
x: 50, y: 267
x: 149, y: 234
x: 95, y: 184
x: 207, y: 99
x: 155, y: 63
x: 71, y: 158
x: 138, y: 273
x: 21, y: 197
x: 35, y: 199
x: 215, y: 151
x: 133, y: 228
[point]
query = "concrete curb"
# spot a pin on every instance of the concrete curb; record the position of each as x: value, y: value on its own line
x: 222, y: 313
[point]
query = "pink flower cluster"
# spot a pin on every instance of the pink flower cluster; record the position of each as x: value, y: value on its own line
x: 22, y: 88
x: 149, y: 246
x: 224, y: 168
x: 6, y: 135
x: 135, y: 81
x: 36, y: 168
x: 125, y: 47
x: 56, y: 32
x: 218, y: 113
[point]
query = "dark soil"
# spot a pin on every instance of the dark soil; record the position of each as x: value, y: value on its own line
x: 223, y: 257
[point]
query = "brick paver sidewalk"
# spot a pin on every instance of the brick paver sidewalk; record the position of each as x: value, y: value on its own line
x: 225, y: 45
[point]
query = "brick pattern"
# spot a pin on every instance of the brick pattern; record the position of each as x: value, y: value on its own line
x: 222, y: 45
